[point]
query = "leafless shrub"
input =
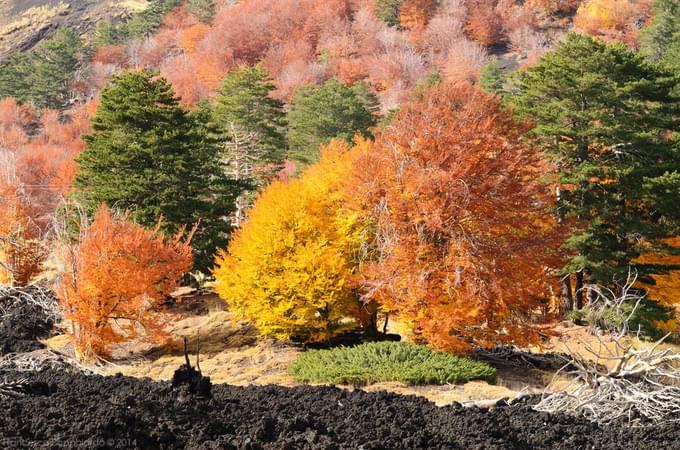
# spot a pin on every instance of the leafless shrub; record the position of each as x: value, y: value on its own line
x: 614, y: 379
x: 465, y: 61
x: 40, y: 297
x: 43, y: 359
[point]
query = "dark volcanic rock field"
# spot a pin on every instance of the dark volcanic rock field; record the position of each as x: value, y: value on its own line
x: 60, y: 410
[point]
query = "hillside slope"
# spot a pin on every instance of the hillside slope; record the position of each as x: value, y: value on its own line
x: 24, y: 23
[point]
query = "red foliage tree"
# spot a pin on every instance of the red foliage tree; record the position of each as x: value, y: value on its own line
x: 484, y: 23
x: 14, y: 119
x: 116, y: 279
x: 21, y: 252
x: 190, y: 37
x: 160, y: 48
x: 111, y: 54
x: 463, y: 227
x: 413, y: 16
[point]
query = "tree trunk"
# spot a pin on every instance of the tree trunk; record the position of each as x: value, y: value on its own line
x: 579, y: 290
x: 567, y: 297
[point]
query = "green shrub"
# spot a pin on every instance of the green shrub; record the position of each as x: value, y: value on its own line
x: 578, y: 316
x: 388, y: 11
x: 387, y: 361
x: 644, y: 319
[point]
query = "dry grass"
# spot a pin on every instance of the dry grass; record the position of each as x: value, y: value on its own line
x: 574, y: 338
x: 132, y: 5
x: 447, y: 394
x: 234, y: 353
x: 34, y: 17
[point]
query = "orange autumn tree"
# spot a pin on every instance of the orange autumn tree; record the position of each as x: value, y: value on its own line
x: 116, y: 278
x: 610, y: 20
x: 484, y: 23
x: 665, y: 287
x: 463, y: 235
x: 21, y: 252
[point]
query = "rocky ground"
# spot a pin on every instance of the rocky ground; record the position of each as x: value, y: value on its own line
x: 22, y: 322
x: 59, y: 410
x: 24, y: 23
x: 61, y: 407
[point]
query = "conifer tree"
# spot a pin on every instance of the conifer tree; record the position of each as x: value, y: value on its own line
x: 491, y: 78
x: 147, y: 155
x: 203, y: 10
x: 45, y: 75
x: 660, y: 41
x: 388, y: 11
x: 244, y: 100
x: 609, y: 119
x: 249, y: 125
x: 333, y: 110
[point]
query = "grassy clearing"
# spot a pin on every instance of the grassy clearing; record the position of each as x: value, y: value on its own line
x: 386, y: 361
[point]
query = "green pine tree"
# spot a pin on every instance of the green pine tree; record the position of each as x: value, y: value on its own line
x: 663, y: 32
x: 608, y: 118
x: 45, y: 75
x: 333, y: 110
x: 250, y: 126
x: 244, y: 99
x: 54, y: 67
x: 149, y: 20
x: 107, y: 33
x: 203, y: 10
x: 492, y: 77
x: 14, y: 77
x: 147, y: 155
x: 388, y: 11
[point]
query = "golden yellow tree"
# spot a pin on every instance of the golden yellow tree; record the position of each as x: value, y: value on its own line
x: 287, y: 268
x: 611, y: 20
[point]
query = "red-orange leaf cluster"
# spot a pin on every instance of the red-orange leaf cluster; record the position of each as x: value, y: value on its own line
x: 462, y: 226
x: 36, y: 171
x: 117, y: 276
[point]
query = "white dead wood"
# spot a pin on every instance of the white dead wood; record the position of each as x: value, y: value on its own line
x: 42, y: 298
x: 43, y: 359
x: 12, y: 388
x: 617, y: 378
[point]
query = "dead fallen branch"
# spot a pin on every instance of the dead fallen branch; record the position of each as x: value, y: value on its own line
x: 617, y: 378
x: 44, y: 359
x: 40, y: 297
x: 12, y: 388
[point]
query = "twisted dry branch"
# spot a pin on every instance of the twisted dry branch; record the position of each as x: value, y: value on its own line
x: 41, y: 360
x: 613, y: 379
x: 12, y: 388
x: 42, y: 298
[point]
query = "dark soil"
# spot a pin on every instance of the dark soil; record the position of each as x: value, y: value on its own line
x: 21, y: 325
x: 60, y: 410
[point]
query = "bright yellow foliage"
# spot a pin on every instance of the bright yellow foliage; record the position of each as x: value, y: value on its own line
x: 594, y: 16
x: 667, y: 287
x: 287, y: 268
